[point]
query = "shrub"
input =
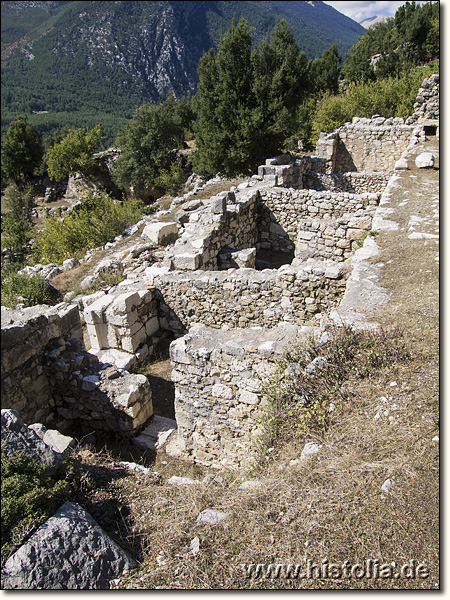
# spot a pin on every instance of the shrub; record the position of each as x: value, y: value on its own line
x: 28, y: 500
x: 391, y: 97
x: 35, y: 289
x: 99, y: 220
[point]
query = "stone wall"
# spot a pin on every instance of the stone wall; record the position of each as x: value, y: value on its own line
x: 226, y: 220
x: 370, y: 144
x: 426, y: 106
x: 219, y: 404
x: 352, y: 181
x: 245, y: 297
x: 285, y: 212
x: 49, y: 377
x: 94, y: 395
x: 24, y: 338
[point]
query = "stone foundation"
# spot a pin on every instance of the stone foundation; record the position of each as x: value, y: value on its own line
x: 219, y: 402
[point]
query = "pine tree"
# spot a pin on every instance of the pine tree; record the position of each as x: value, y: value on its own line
x: 225, y: 133
x: 280, y: 86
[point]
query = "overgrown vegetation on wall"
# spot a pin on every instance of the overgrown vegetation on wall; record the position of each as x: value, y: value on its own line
x: 312, y: 381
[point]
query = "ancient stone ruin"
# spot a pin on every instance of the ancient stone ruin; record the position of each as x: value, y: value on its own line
x: 236, y: 278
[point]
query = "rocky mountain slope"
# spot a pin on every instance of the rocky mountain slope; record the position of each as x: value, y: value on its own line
x: 109, y: 57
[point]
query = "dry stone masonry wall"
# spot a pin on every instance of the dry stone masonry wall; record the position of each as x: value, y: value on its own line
x: 245, y: 297
x: 47, y: 375
x: 219, y: 404
x: 232, y: 321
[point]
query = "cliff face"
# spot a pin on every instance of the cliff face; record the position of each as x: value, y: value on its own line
x: 141, y: 49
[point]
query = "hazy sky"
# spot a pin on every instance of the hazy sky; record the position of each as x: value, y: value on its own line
x: 358, y: 11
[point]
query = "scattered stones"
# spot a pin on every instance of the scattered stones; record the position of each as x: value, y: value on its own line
x: 174, y: 480
x: 310, y: 450
x: 251, y: 485
x: 194, y: 546
x: 387, y: 485
x: 401, y: 164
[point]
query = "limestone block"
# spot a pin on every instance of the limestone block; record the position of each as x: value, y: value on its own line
x: 155, y: 435
x: 152, y: 326
x: 69, y: 552
x: 218, y: 205
x: 161, y: 234
x: 118, y: 358
x: 355, y: 234
x: 222, y: 391
x: 178, y: 353
x: 248, y: 397
x: 95, y: 312
x: 186, y: 261
x: 130, y: 343
x: 401, y: 164
x: 425, y: 160
x: 98, y: 335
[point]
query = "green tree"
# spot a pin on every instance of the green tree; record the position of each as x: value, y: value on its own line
x: 73, y: 154
x: 280, y: 85
x: 325, y: 71
x: 17, y: 225
x: 21, y: 152
x: 149, y: 145
x: 225, y: 132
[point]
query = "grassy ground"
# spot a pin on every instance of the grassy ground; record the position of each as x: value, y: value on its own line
x: 331, y: 507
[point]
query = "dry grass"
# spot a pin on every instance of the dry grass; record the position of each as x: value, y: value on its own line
x: 329, y: 507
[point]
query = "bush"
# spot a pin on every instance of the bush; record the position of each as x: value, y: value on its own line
x: 392, y: 97
x: 99, y: 220
x: 35, y: 289
x: 28, y: 500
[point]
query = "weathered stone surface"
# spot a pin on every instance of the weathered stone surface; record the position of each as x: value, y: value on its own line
x: 17, y: 437
x: 155, y: 435
x: 211, y: 516
x: 57, y: 441
x: 160, y: 234
x: 69, y: 552
x: 174, y: 480
x: 425, y: 160
x: 218, y: 397
x: 310, y: 449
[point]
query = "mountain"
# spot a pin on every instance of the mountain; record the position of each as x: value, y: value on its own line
x: 73, y: 62
x: 373, y: 21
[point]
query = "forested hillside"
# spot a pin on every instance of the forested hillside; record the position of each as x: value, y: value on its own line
x: 88, y: 63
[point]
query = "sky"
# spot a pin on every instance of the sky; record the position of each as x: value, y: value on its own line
x: 358, y: 11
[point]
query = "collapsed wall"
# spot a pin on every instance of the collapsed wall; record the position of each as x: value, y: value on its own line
x: 48, y: 377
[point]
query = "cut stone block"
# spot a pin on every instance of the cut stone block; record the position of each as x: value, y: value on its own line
x: 161, y: 234
x: 155, y: 434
